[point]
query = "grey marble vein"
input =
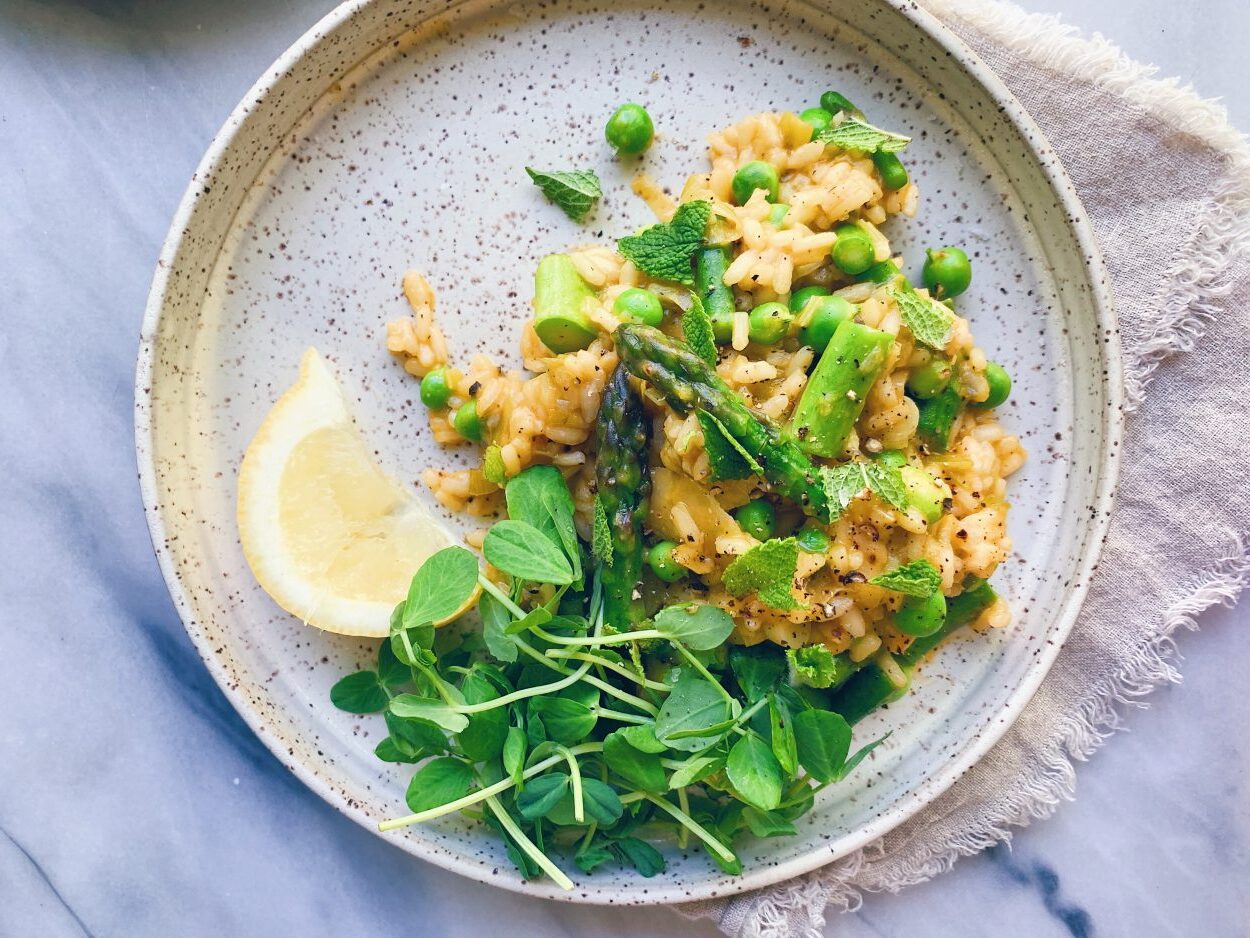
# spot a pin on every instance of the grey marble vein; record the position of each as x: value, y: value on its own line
x: 135, y: 802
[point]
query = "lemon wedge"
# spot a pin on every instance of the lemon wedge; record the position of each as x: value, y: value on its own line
x: 329, y: 536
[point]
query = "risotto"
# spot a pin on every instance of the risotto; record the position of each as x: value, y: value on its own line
x: 789, y: 256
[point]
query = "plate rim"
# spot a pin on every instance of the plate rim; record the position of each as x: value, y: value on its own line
x: 1079, y: 227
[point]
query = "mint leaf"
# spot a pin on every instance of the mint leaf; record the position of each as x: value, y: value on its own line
x: 817, y: 666
x: 768, y: 571
x: 574, y: 191
x: 696, y: 325
x: 920, y: 578
x: 843, y: 484
x: 492, y: 465
x: 601, y: 534
x: 854, y: 134
x: 665, y: 250
x: 929, y: 321
x: 726, y: 456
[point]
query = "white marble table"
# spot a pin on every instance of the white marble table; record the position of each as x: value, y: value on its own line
x: 134, y: 802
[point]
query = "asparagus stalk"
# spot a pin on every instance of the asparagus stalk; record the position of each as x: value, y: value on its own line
x: 688, y: 383
x: 869, y: 687
x: 835, y: 393
x: 624, y: 487
x: 937, y: 419
x: 559, y: 292
x: 710, y: 264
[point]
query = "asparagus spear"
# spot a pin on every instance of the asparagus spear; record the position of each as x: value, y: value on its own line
x: 710, y: 264
x: 689, y: 383
x: 624, y: 486
x: 937, y: 419
x: 869, y: 688
x: 559, y: 292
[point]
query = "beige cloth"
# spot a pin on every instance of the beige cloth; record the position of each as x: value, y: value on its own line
x: 1166, y: 182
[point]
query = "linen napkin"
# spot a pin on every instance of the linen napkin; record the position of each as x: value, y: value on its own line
x: 1166, y: 182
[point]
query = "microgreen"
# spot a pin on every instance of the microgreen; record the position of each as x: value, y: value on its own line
x: 541, y: 727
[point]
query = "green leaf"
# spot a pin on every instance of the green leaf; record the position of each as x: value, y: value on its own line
x: 920, y: 578
x: 492, y: 465
x: 565, y: 721
x: 592, y: 856
x: 665, y: 251
x: 437, y: 783
x: 641, y: 856
x: 693, y: 704
x: 768, y: 570
x: 843, y: 484
x: 415, y: 738
x: 601, y: 534
x: 862, y: 137
x: 929, y: 321
x: 484, y: 737
x: 361, y: 692
x: 440, y: 588
x: 514, y: 745
x: 767, y: 823
x: 390, y: 751
x: 757, y: 668
x: 495, y: 621
x: 601, y: 803
x: 781, y: 732
x: 696, y: 625
x: 575, y: 191
x: 640, y: 769
x: 860, y: 755
x: 520, y: 549
x: 754, y: 772
x: 696, y: 326
x: 816, y: 666
x: 536, y: 616
x: 642, y: 737
x: 727, y: 458
x: 695, y: 769
x: 540, y: 496
x: 824, y: 739
x: 542, y: 794
x: 391, y: 671
x: 412, y: 707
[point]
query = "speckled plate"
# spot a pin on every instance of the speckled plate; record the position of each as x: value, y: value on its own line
x: 393, y: 135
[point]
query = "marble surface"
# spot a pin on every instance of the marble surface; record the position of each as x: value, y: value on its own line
x: 134, y: 802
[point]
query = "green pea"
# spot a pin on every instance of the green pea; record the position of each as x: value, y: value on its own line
x: 930, y: 379
x: 812, y: 538
x: 777, y: 214
x: 755, y: 175
x: 920, y: 617
x: 466, y: 421
x: 818, y: 118
x: 881, y: 272
x: 434, y: 388
x: 828, y: 313
x: 853, y: 252
x: 947, y: 272
x: 770, y: 322
x: 758, y: 519
x: 660, y: 560
x: 1000, y: 385
x: 629, y: 129
x: 799, y: 298
x: 891, y: 457
x: 893, y: 172
x: 637, y: 305
x: 835, y: 103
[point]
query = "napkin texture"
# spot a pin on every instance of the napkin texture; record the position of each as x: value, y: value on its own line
x: 1166, y: 182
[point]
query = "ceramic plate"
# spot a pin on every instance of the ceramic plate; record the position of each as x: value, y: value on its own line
x: 394, y: 136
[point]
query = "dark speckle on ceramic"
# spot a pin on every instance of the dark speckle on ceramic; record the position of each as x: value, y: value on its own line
x: 394, y: 135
